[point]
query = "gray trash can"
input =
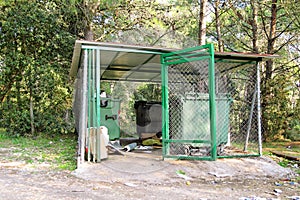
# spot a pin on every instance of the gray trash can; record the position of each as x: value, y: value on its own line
x: 148, y: 118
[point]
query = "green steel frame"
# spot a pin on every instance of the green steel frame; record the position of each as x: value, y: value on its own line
x: 205, y: 52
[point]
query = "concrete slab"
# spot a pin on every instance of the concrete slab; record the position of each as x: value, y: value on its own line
x: 141, y: 167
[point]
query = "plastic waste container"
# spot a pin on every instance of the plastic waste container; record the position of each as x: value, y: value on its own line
x: 196, y: 117
x: 109, y: 112
x: 148, y: 118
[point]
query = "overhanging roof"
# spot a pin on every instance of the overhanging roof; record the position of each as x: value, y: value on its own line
x: 121, y: 62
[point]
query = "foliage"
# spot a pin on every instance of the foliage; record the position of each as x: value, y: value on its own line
x: 279, y: 107
x: 37, y: 39
x: 293, y: 131
x: 123, y: 91
x: 148, y: 92
x: 36, y: 49
x: 146, y: 22
x: 253, y: 26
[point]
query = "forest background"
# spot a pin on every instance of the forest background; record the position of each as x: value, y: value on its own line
x: 37, y: 39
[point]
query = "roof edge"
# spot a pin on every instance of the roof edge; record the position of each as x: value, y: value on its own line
x: 75, y: 59
x: 245, y: 56
x: 126, y: 46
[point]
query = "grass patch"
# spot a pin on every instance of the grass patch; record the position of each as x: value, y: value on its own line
x: 57, y: 152
x: 289, y: 148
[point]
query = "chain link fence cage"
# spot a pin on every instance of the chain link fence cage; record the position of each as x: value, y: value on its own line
x: 210, y: 106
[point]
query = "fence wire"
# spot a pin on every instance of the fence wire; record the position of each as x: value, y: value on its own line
x: 239, y: 82
x: 188, y: 108
x: 189, y: 113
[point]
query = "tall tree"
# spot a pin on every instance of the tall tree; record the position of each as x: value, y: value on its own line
x: 268, y: 26
x: 89, y: 9
x: 35, y: 49
x: 202, y: 22
x: 218, y: 19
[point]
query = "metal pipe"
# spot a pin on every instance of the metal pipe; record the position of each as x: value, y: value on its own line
x: 89, y: 103
x: 240, y: 156
x: 165, y: 108
x: 258, y: 109
x: 98, y: 104
x: 93, y: 89
x: 212, y: 103
x: 82, y: 124
x: 250, y: 120
x: 98, y: 143
x: 98, y: 85
x: 190, y: 157
x: 93, y: 107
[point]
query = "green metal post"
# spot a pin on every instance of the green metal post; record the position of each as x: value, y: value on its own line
x: 165, y: 107
x: 93, y: 90
x: 212, y: 103
x: 98, y: 85
x: 89, y: 86
x: 97, y: 76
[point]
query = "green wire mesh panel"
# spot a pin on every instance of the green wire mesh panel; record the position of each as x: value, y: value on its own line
x: 194, y: 105
x: 238, y: 80
x: 188, y: 114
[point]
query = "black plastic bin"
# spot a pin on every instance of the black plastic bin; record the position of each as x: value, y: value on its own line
x: 148, y: 118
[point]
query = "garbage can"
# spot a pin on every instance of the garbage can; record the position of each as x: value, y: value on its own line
x: 109, y: 112
x: 148, y: 118
x: 196, y: 117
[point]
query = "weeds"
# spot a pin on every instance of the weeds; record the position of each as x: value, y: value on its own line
x: 57, y: 152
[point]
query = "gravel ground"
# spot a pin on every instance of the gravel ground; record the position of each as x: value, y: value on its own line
x: 136, y: 176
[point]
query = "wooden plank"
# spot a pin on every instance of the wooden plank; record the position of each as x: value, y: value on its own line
x: 282, y: 154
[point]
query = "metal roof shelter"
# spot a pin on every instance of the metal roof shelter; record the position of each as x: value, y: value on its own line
x: 123, y: 62
x: 202, y: 75
x: 120, y: 62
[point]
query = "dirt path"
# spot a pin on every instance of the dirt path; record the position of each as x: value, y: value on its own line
x: 117, y: 179
x: 27, y: 184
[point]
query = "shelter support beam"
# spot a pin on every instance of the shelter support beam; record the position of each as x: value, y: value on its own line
x: 82, y: 123
x: 258, y: 109
x: 212, y: 103
x: 250, y: 119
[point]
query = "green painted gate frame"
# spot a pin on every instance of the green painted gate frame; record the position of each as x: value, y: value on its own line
x: 184, y: 56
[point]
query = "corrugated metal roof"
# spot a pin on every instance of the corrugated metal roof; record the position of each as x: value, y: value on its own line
x: 122, y: 62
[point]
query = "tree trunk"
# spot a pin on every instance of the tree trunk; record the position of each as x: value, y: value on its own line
x: 88, y: 33
x: 89, y: 9
x: 254, y: 26
x: 218, y: 27
x: 31, y: 112
x: 269, y: 66
x: 271, y: 40
x: 202, y: 22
